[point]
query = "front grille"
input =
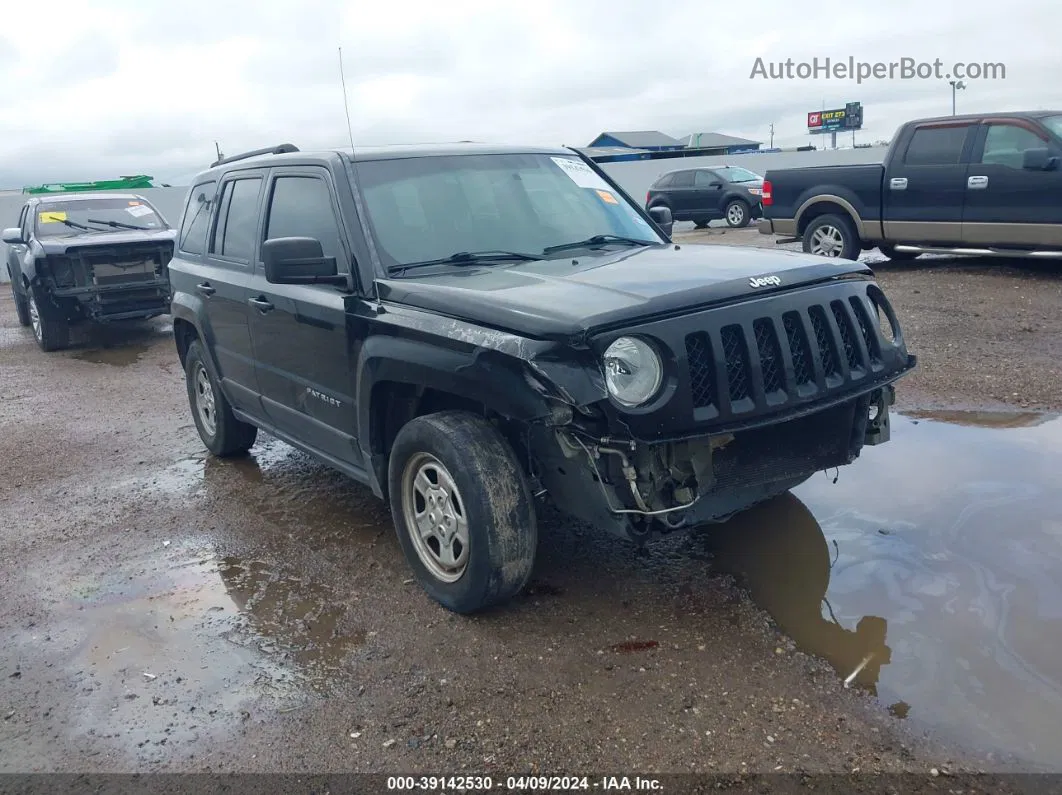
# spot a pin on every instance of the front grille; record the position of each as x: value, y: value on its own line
x: 818, y: 348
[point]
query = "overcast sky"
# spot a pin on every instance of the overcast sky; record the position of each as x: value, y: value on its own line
x: 96, y: 89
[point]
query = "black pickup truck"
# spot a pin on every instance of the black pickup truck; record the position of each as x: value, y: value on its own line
x: 468, y: 329
x: 87, y: 257
x: 986, y: 184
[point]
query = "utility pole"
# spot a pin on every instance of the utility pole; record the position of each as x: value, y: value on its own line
x: 772, y: 136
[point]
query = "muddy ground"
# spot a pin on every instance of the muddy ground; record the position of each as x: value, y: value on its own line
x: 164, y: 611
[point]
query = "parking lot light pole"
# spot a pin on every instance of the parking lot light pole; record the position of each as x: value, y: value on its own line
x: 955, y: 86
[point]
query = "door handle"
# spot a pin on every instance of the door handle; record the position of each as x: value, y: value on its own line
x: 261, y: 304
x: 977, y: 183
x: 898, y: 183
x: 205, y: 289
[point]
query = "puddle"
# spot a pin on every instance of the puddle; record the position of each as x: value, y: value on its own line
x: 939, y: 557
x: 122, y: 356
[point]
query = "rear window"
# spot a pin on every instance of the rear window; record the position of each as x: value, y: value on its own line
x: 664, y: 181
x: 936, y: 146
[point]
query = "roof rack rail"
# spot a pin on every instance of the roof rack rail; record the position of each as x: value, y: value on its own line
x: 282, y: 149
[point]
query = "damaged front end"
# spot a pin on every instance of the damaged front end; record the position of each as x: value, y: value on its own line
x: 110, y: 281
x: 758, y: 397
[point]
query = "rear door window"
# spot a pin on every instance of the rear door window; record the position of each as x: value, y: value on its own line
x: 234, y: 232
x: 937, y: 146
x: 683, y: 179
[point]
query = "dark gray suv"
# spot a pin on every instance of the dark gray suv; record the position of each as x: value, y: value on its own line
x: 709, y: 194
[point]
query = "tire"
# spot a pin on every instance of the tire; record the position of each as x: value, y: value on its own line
x: 737, y: 214
x: 831, y: 236
x: 701, y: 223
x: 221, y: 432
x: 438, y: 456
x: 899, y: 256
x: 50, y: 326
x: 21, y: 303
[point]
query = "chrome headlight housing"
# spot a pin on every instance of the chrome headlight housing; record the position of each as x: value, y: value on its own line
x: 633, y: 371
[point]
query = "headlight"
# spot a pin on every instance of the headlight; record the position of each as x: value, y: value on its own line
x: 633, y: 372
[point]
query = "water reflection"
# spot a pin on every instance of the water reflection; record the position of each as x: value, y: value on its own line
x: 778, y: 550
x: 951, y: 537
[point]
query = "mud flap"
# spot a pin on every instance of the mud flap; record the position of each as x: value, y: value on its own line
x: 878, y: 429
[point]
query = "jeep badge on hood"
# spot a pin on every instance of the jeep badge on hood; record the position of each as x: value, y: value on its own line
x: 763, y: 281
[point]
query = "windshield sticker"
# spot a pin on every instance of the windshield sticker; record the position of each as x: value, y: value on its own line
x: 580, y: 173
x: 138, y: 210
x: 607, y: 197
x: 52, y: 217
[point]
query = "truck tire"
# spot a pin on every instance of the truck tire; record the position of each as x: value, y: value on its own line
x: 831, y: 236
x: 21, y: 302
x: 737, y: 214
x: 221, y: 432
x: 701, y: 223
x: 462, y: 509
x: 50, y: 326
x: 900, y: 256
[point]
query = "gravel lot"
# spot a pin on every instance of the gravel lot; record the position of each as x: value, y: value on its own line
x: 163, y: 611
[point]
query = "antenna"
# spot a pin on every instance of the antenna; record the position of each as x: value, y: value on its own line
x: 218, y: 150
x: 346, y: 105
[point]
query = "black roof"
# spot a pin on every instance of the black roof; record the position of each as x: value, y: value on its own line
x: 1027, y: 114
x: 395, y: 152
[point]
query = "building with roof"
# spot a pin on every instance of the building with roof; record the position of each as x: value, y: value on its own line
x: 720, y: 143
x: 649, y: 140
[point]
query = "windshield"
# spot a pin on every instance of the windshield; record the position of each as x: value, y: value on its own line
x: 430, y: 208
x: 98, y: 214
x: 732, y: 174
x: 1054, y: 124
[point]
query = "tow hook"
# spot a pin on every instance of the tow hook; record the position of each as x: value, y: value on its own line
x: 878, y: 429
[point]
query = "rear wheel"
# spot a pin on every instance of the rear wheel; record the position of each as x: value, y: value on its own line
x: 737, y: 214
x: 221, y: 432
x: 50, y: 326
x: 462, y: 509
x: 21, y: 303
x: 831, y: 236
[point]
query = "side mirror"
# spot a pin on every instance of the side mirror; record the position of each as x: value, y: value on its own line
x: 663, y: 218
x: 299, y: 260
x: 13, y: 236
x: 1038, y: 160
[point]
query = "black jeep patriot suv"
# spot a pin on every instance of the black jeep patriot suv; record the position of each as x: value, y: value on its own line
x: 467, y: 329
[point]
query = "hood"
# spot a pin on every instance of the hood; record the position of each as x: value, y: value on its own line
x: 557, y: 298
x: 59, y: 245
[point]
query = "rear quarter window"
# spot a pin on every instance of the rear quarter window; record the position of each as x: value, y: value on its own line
x: 195, y: 221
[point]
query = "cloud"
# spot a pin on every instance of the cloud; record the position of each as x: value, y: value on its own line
x: 123, y: 88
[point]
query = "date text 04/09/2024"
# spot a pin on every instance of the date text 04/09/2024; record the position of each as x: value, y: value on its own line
x: 522, y: 783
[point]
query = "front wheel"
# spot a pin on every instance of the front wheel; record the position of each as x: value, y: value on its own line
x: 50, y: 326
x: 21, y: 304
x: 737, y: 214
x: 831, y: 236
x: 221, y: 432
x: 462, y: 509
